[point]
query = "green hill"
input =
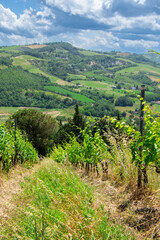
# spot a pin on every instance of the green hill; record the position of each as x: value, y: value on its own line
x: 57, y: 75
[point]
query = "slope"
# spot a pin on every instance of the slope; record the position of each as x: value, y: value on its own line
x: 87, y: 77
x: 53, y: 203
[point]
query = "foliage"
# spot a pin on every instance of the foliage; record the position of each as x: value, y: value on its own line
x: 124, y: 101
x: 100, y: 108
x: 78, y: 121
x: 5, y: 61
x: 71, y: 128
x: 150, y: 141
x: 39, y: 128
x: 64, y: 133
x: 92, y: 150
x: 14, y: 148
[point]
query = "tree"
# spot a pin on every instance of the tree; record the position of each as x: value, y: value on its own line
x: 78, y: 121
x: 71, y: 128
x: 39, y: 128
x: 124, y: 101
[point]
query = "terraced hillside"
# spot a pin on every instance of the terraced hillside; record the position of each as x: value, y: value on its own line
x: 54, y: 76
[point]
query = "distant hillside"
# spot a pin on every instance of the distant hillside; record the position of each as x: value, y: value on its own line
x: 57, y: 75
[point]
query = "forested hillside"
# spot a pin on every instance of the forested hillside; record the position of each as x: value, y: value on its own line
x: 55, y: 76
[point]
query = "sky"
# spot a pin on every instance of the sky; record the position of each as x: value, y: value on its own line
x: 101, y: 25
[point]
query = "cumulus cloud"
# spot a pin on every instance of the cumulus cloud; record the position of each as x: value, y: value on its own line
x: 140, y: 43
x: 118, y: 15
x: 102, y: 41
x: 93, y: 24
x: 99, y: 40
x: 93, y: 7
x: 29, y: 23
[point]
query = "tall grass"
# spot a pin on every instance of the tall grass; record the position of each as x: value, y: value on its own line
x: 56, y: 204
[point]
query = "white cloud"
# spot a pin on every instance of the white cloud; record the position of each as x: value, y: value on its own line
x: 29, y: 23
x: 101, y: 12
x: 7, y: 18
x: 43, y: 25
x: 140, y: 1
x: 95, y: 40
x: 140, y: 44
x: 81, y: 7
x: 102, y: 41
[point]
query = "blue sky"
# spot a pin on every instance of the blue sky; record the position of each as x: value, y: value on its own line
x: 102, y: 25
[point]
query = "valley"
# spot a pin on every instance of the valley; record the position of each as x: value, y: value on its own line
x: 55, y: 76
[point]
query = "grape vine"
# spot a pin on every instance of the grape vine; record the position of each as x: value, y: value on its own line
x: 13, y: 149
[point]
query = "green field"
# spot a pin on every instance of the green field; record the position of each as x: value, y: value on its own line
x: 35, y: 70
x: 8, y: 110
x: 74, y: 95
x: 89, y: 53
x: 10, y: 49
x: 3, y: 66
x: 94, y: 84
x: 75, y: 77
x: 141, y: 67
x: 21, y: 61
x: 3, y: 54
x: 99, y: 77
x: 73, y: 70
x: 156, y: 107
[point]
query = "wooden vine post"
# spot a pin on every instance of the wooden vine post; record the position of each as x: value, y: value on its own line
x: 142, y: 169
x: 15, y: 132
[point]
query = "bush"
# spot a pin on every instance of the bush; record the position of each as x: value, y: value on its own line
x: 124, y: 101
x: 39, y: 128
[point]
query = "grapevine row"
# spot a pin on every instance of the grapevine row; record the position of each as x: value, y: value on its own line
x: 14, y: 148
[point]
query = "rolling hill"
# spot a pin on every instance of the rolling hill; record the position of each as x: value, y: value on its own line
x: 54, y: 76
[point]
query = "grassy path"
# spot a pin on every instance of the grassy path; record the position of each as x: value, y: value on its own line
x: 139, y: 211
x: 50, y: 201
x: 10, y: 187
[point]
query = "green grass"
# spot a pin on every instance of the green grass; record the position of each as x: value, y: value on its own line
x: 125, y: 109
x: 3, y: 67
x: 35, y: 70
x: 94, y: 84
x: 98, y: 77
x: 75, y: 77
x: 55, y: 204
x: 114, y: 92
x: 74, y: 95
x: 22, y: 61
x: 8, y: 110
x: 2, y: 54
x: 89, y: 53
x: 29, y: 57
x: 141, y: 67
x: 156, y: 107
x: 10, y: 49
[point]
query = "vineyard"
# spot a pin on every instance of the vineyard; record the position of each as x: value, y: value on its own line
x: 110, y: 152
x: 99, y: 146
x: 14, y: 148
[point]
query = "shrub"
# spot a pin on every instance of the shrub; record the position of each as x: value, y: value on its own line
x: 39, y: 128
